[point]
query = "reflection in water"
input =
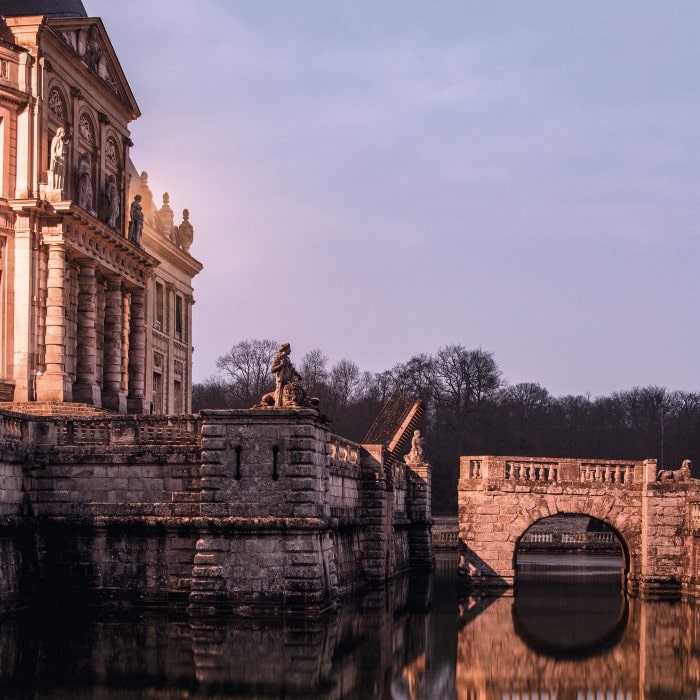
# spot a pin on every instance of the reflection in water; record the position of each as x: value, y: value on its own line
x: 418, y: 640
x: 570, y: 605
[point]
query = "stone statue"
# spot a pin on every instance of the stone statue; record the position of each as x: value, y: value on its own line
x: 284, y: 371
x: 112, y: 197
x: 59, y: 148
x: 682, y: 474
x: 416, y: 454
x: 185, y: 231
x: 93, y: 51
x: 136, y: 221
x: 289, y: 392
x: 85, y: 182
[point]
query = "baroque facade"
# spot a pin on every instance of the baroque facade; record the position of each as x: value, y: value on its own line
x: 88, y: 313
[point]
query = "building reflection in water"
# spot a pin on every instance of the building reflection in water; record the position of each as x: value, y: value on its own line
x: 420, y: 639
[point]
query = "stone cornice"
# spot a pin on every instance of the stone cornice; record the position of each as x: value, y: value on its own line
x: 166, y: 250
x: 124, y: 95
x: 86, y: 237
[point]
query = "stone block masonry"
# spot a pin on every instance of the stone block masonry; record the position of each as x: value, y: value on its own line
x: 257, y: 510
x: 654, y: 515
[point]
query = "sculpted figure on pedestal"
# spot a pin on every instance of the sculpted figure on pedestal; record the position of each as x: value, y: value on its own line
x: 682, y: 474
x: 288, y: 393
x: 59, y: 148
x: 112, y: 197
x: 416, y: 454
x: 85, y: 182
x: 136, y: 220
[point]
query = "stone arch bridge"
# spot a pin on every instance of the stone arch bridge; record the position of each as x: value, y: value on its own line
x: 656, y: 516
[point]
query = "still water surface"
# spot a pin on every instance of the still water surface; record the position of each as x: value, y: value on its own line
x: 559, y: 638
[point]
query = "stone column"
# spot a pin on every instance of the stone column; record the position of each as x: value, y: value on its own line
x: 86, y: 388
x: 53, y: 384
x: 136, y: 402
x: 112, y: 395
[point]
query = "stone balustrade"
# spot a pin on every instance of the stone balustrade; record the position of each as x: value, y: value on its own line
x: 11, y: 428
x: 576, y: 538
x: 695, y: 517
x: 343, y: 452
x: 142, y: 430
x: 548, y: 471
x: 607, y: 472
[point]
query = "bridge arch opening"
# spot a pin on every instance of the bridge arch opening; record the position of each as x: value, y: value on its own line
x: 570, y: 544
x: 570, y: 573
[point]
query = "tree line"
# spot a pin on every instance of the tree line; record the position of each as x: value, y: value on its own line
x: 471, y: 410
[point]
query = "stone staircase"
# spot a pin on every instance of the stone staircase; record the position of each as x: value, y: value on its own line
x: 56, y: 409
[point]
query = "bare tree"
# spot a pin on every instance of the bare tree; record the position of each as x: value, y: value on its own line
x: 314, y: 371
x: 344, y: 382
x: 247, y: 366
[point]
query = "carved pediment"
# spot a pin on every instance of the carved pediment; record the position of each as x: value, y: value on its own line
x: 88, y: 40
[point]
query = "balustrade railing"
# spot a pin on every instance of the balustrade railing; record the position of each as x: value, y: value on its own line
x: 532, y: 471
x: 607, y: 473
x: 695, y: 517
x: 569, y: 538
x: 343, y: 451
x: 536, y: 470
x: 138, y: 431
x: 12, y: 428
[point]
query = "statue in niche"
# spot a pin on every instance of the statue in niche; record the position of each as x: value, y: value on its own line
x: 112, y: 198
x: 416, y: 454
x: 136, y: 221
x: 93, y: 50
x: 288, y: 393
x: 59, y: 149
x: 85, y: 182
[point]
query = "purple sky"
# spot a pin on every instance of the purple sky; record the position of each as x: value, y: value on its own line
x: 378, y: 178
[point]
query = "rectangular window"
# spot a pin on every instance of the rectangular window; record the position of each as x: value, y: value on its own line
x: 178, y: 317
x: 157, y: 400
x: 159, y: 317
x: 178, y: 397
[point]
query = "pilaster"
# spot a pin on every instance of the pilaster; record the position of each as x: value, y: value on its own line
x: 24, y: 280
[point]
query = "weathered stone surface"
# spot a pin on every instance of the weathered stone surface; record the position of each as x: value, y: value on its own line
x: 259, y: 515
x: 657, y: 522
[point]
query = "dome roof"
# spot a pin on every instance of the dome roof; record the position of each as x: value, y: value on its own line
x: 50, y: 8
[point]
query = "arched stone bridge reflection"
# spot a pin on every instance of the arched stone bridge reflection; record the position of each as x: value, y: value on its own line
x: 655, y: 514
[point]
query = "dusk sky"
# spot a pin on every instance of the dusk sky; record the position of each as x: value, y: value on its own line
x: 379, y: 178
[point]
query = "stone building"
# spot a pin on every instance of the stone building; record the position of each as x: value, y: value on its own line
x: 87, y: 313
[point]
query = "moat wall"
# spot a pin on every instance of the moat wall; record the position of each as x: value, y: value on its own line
x: 255, y: 510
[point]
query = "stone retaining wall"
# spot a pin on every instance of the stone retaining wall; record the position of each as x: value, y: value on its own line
x: 255, y: 510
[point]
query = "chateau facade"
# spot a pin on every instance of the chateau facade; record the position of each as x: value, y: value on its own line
x: 88, y: 312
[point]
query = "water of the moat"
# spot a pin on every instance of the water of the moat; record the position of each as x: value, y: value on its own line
x: 570, y: 635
